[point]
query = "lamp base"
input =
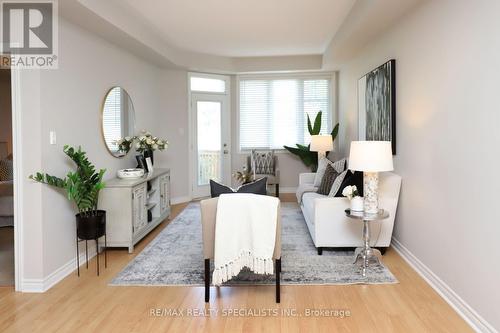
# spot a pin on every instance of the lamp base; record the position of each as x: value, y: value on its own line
x: 321, y: 154
x: 370, y: 191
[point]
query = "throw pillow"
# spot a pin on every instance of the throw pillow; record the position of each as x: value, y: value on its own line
x: 6, y: 170
x: 336, y: 184
x: 339, y: 166
x: 327, y: 180
x: 322, y: 163
x: 352, y: 178
x: 257, y: 187
x: 263, y: 163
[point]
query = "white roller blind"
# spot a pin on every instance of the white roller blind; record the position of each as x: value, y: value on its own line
x: 273, y: 112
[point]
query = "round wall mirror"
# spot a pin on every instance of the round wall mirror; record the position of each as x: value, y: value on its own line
x: 118, y: 119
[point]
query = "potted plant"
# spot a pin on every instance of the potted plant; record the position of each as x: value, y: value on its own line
x: 351, y: 193
x: 145, y: 143
x: 82, y: 187
x: 308, y: 157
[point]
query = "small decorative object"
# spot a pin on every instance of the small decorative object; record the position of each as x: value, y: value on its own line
x: 141, y: 162
x: 149, y: 164
x: 377, y: 105
x: 130, y: 173
x: 244, y: 176
x: 351, y: 192
x: 371, y: 157
x: 145, y: 143
x: 321, y: 144
x: 82, y: 187
x: 309, y: 157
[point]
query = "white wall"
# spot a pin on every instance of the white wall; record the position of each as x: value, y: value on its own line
x: 447, y: 59
x: 68, y: 100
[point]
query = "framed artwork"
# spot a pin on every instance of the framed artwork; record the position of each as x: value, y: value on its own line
x: 377, y: 105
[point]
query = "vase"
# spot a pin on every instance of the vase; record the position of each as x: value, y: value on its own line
x: 357, y: 204
x: 92, y: 225
x: 148, y: 153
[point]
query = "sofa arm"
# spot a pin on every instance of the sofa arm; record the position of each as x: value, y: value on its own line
x: 307, y: 178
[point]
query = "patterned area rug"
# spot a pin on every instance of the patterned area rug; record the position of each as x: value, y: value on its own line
x: 175, y: 258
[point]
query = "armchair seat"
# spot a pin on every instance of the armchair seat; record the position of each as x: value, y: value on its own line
x: 208, y: 221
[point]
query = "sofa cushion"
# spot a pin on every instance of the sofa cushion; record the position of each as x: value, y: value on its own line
x: 304, y: 188
x: 352, y: 178
x: 327, y: 180
x: 308, y: 204
x: 257, y: 187
x: 263, y: 163
x: 338, y: 166
x: 337, y: 183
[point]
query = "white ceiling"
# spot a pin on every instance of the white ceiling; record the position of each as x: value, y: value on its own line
x: 245, y: 28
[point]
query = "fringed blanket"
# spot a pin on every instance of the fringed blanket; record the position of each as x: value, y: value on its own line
x: 245, y: 235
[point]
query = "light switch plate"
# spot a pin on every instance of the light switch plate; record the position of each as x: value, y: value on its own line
x: 53, y: 138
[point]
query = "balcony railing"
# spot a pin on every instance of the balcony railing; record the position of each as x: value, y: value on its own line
x: 208, y: 166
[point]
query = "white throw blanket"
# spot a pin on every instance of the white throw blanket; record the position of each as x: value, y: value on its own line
x: 245, y: 235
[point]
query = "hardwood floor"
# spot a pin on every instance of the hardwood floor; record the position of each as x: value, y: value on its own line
x: 88, y: 304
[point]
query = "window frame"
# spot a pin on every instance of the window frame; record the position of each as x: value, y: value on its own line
x: 284, y: 76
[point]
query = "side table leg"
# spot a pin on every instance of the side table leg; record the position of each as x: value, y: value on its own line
x: 366, y: 250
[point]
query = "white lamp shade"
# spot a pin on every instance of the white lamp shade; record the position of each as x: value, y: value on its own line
x: 321, y: 143
x: 371, y: 156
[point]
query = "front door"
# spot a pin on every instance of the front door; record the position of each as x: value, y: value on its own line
x: 211, y: 141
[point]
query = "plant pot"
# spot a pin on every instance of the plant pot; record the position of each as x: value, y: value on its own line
x: 357, y: 204
x: 149, y: 153
x: 91, y: 226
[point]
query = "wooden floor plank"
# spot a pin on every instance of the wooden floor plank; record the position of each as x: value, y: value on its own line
x: 88, y: 304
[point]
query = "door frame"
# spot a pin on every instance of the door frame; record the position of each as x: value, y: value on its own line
x: 226, y: 96
x: 16, y: 108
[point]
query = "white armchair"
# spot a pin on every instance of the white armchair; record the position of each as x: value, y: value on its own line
x: 330, y: 227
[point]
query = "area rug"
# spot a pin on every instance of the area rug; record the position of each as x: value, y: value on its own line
x: 174, y: 258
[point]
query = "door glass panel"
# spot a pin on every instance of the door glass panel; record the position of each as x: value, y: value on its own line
x: 209, y: 141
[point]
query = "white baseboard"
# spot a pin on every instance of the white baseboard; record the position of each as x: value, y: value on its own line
x: 178, y: 200
x: 478, y: 323
x: 42, y: 285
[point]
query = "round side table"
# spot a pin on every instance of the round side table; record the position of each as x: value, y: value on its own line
x: 366, y: 252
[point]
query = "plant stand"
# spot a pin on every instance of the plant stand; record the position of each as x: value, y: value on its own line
x: 91, y: 231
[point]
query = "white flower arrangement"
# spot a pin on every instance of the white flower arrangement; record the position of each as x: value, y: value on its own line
x: 143, y: 142
x: 350, y: 192
x: 146, y: 141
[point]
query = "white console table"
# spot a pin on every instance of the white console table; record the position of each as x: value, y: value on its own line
x: 127, y: 203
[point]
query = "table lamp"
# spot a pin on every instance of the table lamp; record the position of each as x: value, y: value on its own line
x: 321, y: 144
x: 371, y: 157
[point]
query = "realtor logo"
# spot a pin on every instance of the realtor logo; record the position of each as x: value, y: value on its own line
x: 29, y: 33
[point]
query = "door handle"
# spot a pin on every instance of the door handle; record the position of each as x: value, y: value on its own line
x: 226, y: 151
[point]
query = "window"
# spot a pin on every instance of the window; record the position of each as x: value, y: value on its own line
x: 205, y: 84
x: 273, y: 112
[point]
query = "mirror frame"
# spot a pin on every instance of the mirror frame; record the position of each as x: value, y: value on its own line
x: 102, y: 119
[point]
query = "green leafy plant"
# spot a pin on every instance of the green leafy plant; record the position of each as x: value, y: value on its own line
x: 308, y: 157
x: 82, y: 186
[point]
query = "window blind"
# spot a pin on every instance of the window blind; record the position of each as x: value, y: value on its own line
x: 112, y: 118
x: 273, y: 113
